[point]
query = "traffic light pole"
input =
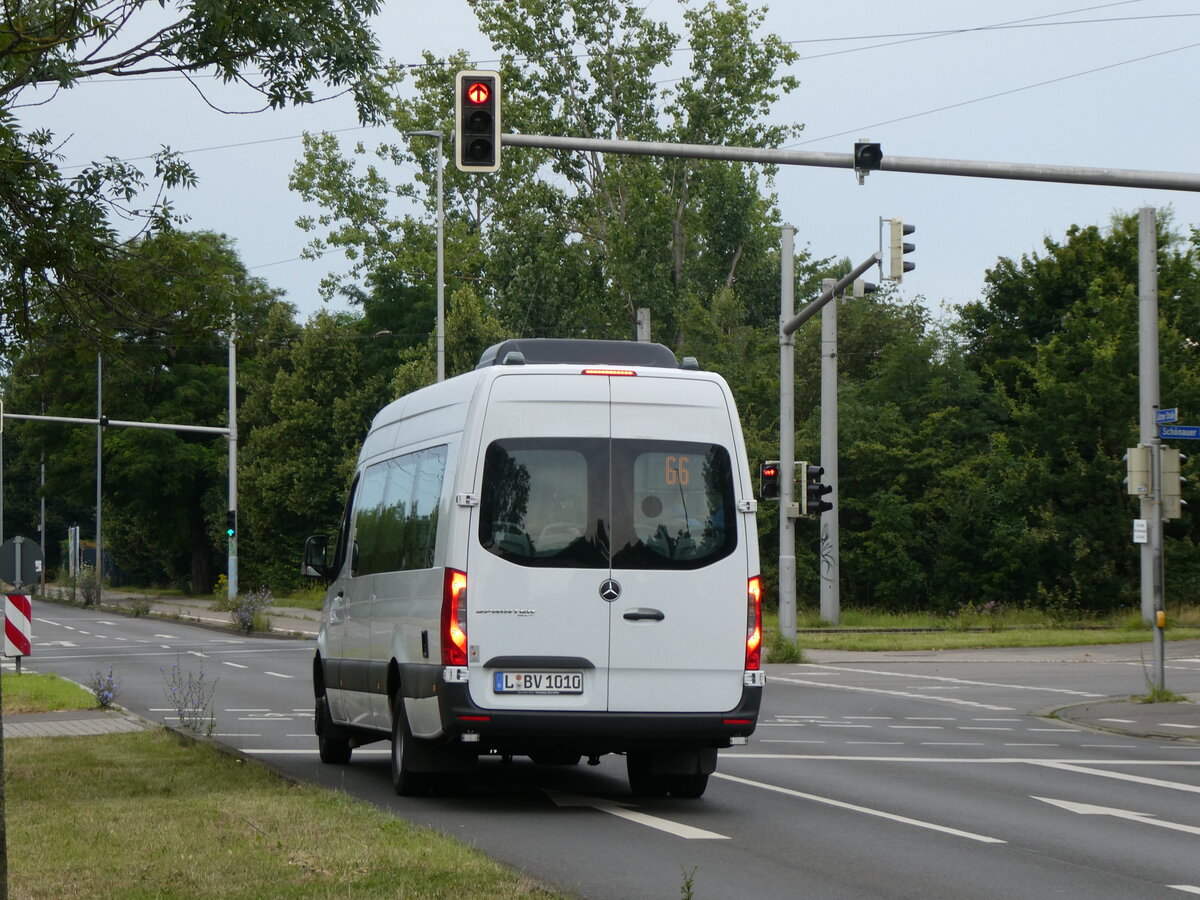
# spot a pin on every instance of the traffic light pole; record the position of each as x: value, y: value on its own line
x: 1151, y: 510
x: 830, y: 541
x: 232, y: 571
x: 787, y: 439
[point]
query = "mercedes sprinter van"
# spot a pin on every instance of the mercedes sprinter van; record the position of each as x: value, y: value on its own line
x: 553, y: 556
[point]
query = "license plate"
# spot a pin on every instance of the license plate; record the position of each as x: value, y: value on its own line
x: 538, y: 682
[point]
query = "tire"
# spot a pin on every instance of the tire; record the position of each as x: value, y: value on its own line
x: 405, y: 781
x: 332, y: 748
x: 688, y: 787
x: 642, y: 781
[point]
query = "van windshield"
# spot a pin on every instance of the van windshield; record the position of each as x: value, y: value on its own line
x: 595, y: 503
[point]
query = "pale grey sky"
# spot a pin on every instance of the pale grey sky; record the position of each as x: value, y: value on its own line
x: 1074, y: 83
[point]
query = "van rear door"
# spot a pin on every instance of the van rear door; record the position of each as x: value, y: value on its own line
x: 537, y: 632
x: 680, y: 554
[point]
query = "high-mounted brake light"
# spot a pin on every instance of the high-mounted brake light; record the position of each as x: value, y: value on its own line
x: 608, y: 372
x: 754, y: 624
x: 454, y: 618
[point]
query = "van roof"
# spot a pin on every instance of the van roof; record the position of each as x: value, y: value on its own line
x: 559, y: 350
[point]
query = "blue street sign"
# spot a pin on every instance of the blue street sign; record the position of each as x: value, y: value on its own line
x: 1180, y: 432
x: 1166, y: 415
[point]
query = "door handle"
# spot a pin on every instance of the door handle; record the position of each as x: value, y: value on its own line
x: 635, y: 615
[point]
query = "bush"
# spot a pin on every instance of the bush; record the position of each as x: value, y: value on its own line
x: 249, y: 610
x: 105, y: 687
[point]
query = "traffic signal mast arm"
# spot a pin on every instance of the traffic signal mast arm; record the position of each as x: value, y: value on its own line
x: 844, y: 282
x: 1135, y: 178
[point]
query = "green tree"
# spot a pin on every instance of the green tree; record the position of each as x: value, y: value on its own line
x: 307, y: 410
x: 59, y: 246
x: 164, y: 490
x: 567, y: 243
x: 1056, y: 337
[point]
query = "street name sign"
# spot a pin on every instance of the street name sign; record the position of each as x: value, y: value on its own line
x: 1170, y: 414
x: 1180, y: 432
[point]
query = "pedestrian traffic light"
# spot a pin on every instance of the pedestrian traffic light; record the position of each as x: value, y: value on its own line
x: 477, y: 121
x: 897, y: 264
x: 768, y: 480
x: 813, y: 491
x: 231, y: 523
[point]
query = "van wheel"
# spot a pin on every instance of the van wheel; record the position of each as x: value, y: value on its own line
x: 332, y: 749
x: 406, y: 782
x: 688, y: 787
x: 642, y: 781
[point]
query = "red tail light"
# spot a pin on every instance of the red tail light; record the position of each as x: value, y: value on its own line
x: 454, y: 618
x: 754, y: 623
x: 609, y: 372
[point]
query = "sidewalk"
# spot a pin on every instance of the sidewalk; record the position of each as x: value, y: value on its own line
x: 71, y: 723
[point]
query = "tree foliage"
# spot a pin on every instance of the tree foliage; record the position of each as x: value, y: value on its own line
x: 60, y: 241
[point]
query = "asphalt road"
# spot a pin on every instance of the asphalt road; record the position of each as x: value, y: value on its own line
x: 870, y: 776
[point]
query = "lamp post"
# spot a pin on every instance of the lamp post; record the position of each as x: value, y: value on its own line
x: 441, y: 239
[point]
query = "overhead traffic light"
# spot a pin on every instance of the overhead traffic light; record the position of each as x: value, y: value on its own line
x: 868, y: 156
x: 477, y: 121
x: 768, y: 480
x: 231, y: 523
x: 811, y: 503
x: 897, y: 264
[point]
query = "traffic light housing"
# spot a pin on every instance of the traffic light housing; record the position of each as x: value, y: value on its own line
x: 768, y: 480
x: 868, y: 156
x: 231, y: 523
x: 1137, y: 471
x: 811, y: 503
x: 897, y: 264
x: 1172, y: 483
x: 477, y: 121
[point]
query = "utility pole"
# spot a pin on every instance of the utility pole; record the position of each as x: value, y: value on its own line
x: 99, y: 477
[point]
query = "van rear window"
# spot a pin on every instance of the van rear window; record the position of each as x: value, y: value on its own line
x: 595, y: 503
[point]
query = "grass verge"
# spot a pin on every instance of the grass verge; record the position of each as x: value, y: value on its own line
x: 43, y: 693
x: 1020, y: 628
x: 152, y: 815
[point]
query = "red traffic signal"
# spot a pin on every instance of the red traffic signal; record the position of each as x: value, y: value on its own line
x: 477, y: 121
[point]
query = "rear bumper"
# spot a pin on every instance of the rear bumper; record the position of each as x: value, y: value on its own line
x: 517, y: 731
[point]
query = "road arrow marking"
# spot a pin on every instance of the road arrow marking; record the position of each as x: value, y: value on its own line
x: 1087, y: 809
x: 623, y: 811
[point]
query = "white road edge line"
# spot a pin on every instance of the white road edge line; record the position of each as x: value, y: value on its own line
x: 892, y: 817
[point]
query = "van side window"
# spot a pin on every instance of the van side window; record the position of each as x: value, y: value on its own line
x: 557, y: 501
x: 343, y: 538
x: 395, y: 522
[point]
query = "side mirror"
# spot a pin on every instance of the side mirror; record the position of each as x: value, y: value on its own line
x: 316, y: 552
